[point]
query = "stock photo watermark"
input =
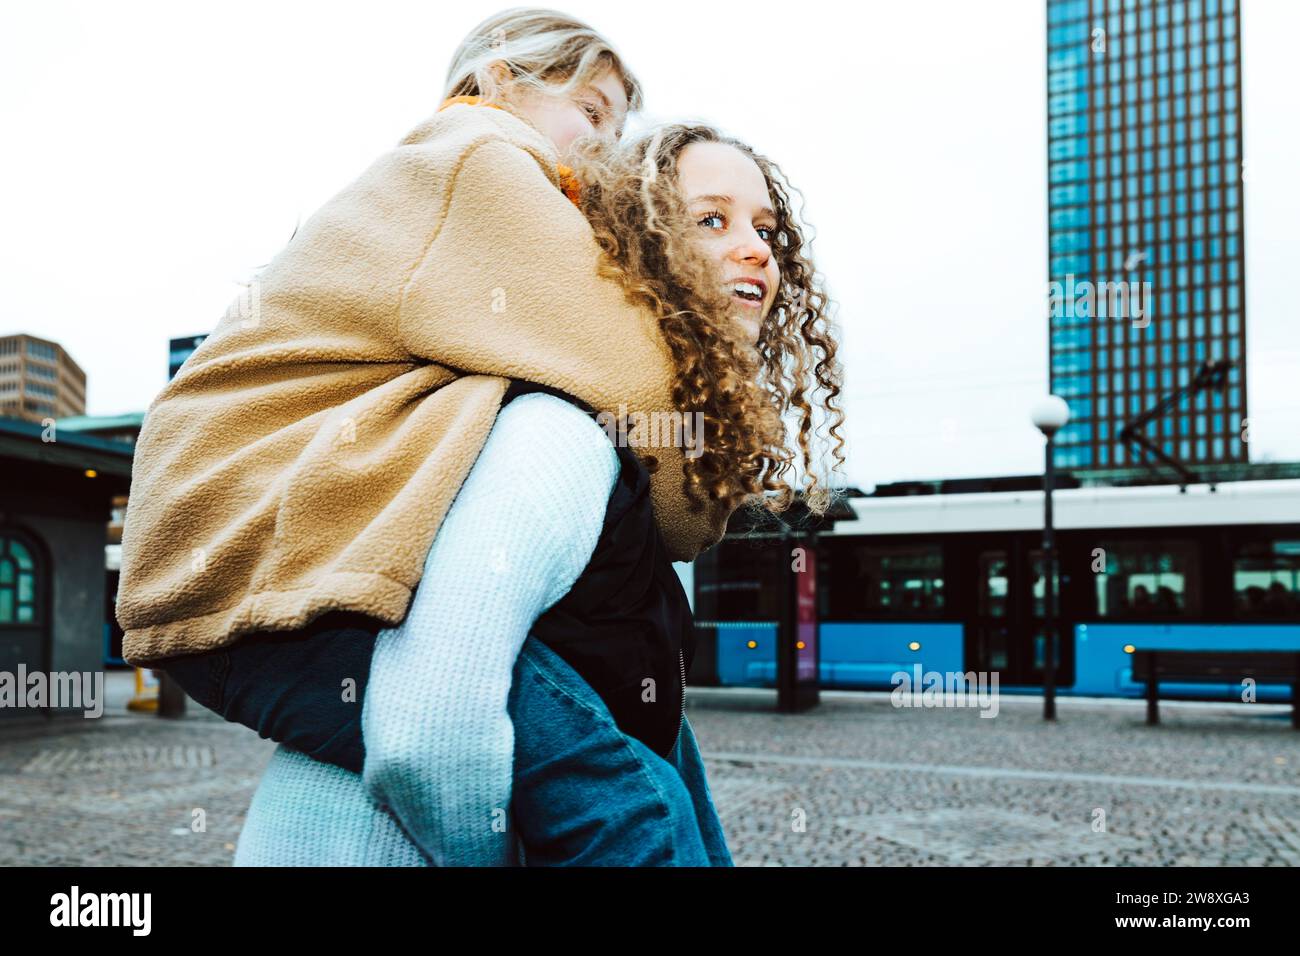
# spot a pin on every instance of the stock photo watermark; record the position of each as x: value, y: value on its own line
x: 655, y: 429
x: 75, y: 908
x: 246, y: 309
x: 60, y: 690
x: 922, y: 688
x: 1115, y: 300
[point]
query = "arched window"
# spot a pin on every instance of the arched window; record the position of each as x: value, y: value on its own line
x: 18, y: 582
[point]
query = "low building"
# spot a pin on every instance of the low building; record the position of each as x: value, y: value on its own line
x: 126, y: 429
x: 56, y: 496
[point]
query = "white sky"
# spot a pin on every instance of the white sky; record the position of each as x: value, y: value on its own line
x: 157, y: 154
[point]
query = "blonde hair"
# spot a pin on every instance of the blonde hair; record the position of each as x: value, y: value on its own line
x: 543, y: 49
x: 631, y: 197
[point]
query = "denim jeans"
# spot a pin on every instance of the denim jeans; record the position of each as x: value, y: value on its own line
x: 587, y: 794
x: 584, y: 793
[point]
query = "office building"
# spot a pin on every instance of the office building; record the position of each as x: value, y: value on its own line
x: 1146, y: 275
x: 179, y: 350
x: 39, y: 380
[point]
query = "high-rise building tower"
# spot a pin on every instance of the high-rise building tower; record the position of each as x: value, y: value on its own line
x: 1145, y: 225
x: 178, y: 350
x: 38, y: 380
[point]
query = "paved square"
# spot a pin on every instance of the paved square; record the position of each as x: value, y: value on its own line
x: 857, y: 781
x: 853, y: 782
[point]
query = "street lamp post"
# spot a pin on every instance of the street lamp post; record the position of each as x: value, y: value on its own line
x: 1050, y: 416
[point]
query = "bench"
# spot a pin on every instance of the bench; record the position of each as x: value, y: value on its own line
x: 1216, y: 667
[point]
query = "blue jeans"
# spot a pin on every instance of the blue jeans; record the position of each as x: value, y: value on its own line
x: 587, y: 794
x: 584, y: 792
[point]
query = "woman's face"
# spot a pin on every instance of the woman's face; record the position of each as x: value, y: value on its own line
x: 599, y: 108
x: 726, y: 193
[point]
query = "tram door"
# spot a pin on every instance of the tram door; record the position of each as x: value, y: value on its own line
x: 1007, y: 624
x: 1035, y: 650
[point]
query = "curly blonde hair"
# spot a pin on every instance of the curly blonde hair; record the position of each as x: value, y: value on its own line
x: 630, y: 194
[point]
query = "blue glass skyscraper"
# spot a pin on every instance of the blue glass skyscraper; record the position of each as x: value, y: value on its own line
x: 1146, y: 276
x: 178, y: 350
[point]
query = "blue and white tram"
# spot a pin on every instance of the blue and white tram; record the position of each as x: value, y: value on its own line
x: 954, y: 582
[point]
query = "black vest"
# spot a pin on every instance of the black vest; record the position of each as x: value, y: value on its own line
x: 627, y: 617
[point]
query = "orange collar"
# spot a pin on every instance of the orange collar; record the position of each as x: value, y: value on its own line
x: 569, y: 182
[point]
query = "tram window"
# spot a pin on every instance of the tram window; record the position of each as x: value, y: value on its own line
x: 740, y: 580
x: 893, y: 580
x: 1040, y: 583
x: 1149, y: 579
x: 1266, y: 579
x: 993, y: 584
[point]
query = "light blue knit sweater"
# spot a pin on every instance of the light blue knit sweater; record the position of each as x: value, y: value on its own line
x: 436, y: 785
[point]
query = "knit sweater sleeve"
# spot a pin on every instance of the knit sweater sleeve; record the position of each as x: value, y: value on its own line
x: 439, y: 741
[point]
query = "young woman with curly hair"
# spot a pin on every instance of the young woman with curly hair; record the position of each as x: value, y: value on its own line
x: 662, y: 211
x: 442, y: 587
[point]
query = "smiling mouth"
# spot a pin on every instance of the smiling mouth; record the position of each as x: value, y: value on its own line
x: 749, y: 292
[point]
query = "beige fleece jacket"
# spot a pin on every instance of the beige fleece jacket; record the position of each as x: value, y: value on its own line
x: 303, y: 458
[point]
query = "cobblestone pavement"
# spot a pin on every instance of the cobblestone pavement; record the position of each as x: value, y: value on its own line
x: 854, y: 782
x: 857, y: 781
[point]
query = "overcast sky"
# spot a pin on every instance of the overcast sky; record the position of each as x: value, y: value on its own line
x: 155, y: 155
